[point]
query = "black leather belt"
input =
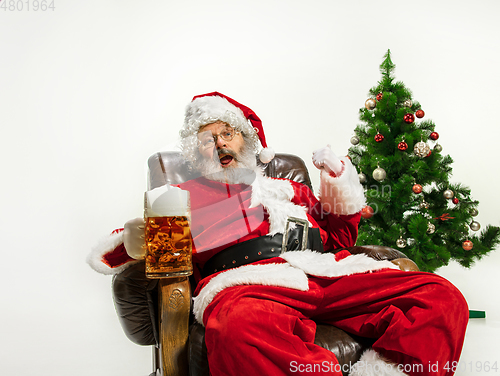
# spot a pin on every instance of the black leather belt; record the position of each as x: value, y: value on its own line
x: 261, y: 248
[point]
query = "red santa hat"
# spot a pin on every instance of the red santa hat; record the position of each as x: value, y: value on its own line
x: 211, y: 107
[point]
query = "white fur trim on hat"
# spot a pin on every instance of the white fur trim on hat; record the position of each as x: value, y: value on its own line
x: 281, y: 275
x: 266, y: 155
x: 372, y: 364
x: 343, y: 195
x: 207, y: 110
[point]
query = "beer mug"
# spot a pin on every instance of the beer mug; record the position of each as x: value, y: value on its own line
x: 167, y: 233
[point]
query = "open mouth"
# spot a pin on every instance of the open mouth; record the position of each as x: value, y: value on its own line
x: 226, y: 160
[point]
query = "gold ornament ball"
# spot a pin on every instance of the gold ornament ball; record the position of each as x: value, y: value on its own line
x: 408, y: 103
x: 354, y: 140
x: 475, y: 226
x: 467, y: 245
x: 370, y: 104
x: 473, y: 212
x: 438, y: 148
x: 448, y: 194
x: 421, y: 149
x: 362, y: 178
x: 379, y: 174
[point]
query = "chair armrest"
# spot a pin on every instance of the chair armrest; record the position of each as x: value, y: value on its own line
x: 406, y: 264
x: 136, y: 300
x: 380, y: 252
x: 174, y: 298
x: 197, y: 351
x: 155, y: 312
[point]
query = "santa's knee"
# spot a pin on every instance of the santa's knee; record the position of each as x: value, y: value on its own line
x: 449, y: 293
x: 444, y: 301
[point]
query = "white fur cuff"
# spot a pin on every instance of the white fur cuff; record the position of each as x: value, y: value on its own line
x: 372, y: 364
x: 281, y: 275
x: 343, y: 195
x: 106, y: 245
x: 325, y: 265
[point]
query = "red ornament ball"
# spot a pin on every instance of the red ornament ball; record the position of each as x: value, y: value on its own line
x: 420, y: 114
x: 379, y: 137
x: 367, y: 212
x: 402, y: 146
x: 417, y: 188
x: 409, y: 118
x: 379, y: 96
x: 434, y: 136
x: 428, y: 155
x: 467, y: 245
x: 455, y: 200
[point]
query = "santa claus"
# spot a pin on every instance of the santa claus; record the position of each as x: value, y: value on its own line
x: 258, y: 300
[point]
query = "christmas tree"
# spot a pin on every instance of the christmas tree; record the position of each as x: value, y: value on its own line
x: 412, y: 206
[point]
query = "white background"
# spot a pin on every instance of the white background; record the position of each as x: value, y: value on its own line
x: 89, y: 90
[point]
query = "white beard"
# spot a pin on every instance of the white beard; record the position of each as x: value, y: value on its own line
x: 243, y: 172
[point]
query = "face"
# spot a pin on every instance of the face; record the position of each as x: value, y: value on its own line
x: 214, y: 139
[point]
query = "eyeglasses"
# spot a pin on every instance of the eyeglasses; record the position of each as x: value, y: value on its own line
x: 209, y: 140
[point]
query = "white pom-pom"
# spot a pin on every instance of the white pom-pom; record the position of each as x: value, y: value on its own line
x: 266, y: 155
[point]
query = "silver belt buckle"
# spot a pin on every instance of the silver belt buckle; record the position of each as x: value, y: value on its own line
x: 305, y: 231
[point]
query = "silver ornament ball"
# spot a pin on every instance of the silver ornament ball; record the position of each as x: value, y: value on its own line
x: 401, y: 243
x: 475, y: 226
x: 379, y: 174
x: 362, y: 178
x: 438, y: 148
x: 421, y: 149
x: 424, y: 205
x: 354, y: 140
x: 448, y: 194
x: 473, y: 212
x: 431, y: 228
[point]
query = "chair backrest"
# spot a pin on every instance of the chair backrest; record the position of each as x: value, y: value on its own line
x: 171, y: 167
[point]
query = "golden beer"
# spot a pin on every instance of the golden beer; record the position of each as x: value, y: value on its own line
x: 169, y: 247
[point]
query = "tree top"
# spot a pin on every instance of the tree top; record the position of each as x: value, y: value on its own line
x: 387, y: 66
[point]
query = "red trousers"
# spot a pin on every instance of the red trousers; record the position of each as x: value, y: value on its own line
x: 418, y: 320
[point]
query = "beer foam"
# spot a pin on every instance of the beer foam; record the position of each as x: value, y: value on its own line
x: 166, y: 201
